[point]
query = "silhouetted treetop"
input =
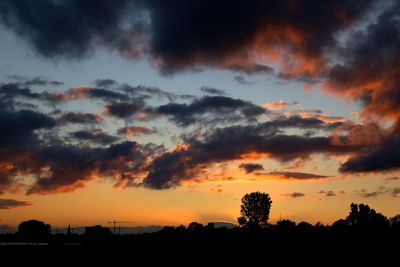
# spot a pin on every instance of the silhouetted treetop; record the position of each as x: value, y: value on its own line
x: 395, y: 221
x: 362, y: 216
x: 255, y: 209
x: 34, y: 230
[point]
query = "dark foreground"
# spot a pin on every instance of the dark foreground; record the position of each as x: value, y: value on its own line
x: 320, y: 247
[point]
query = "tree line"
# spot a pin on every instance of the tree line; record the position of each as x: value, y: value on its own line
x: 254, y: 216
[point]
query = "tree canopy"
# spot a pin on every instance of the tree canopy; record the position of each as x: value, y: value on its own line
x: 255, y: 209
x: 34, y: 230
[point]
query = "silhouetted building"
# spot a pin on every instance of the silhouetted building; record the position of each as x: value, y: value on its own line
x: 97, y: 232
x: 69, y: 232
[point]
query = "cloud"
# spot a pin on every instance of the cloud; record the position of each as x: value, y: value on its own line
x: 105, y: 82
x: 212, y: 91
x: 54, y: 32
x: 330, y: 194
x: 130, y: 131
x: 299, y: 175
x: 217, y: 190
x: 211, y: 109
x: 294, y: 195
x: 80, y: 118
x: 301, y: 123
x: 380, y: 191
x: 18, y: 128
x: 251, y: 69
x: 35, y: 81
x: 18, y: 140
x: 241, y: 80
x: 88, y: 92
x: 176, y: 36
x: 96, y: 136
x: 382, y: 157
x: 12, y: 203
x: 368, y: 71
x: 123, y: 110
x: 394, y: 178
x: 15, y: 94
x: 251, y: 167
x: 276, y: 105
x: 371, y: 194
x: 229, y: 37
x: 189, y: 160
x: 72, y: 167
x: 30, y: 147
x: 148, y: 91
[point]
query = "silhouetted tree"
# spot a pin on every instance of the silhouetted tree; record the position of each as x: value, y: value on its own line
x: 340, y: 224
x: 34, y: 230
x: 286, y: 225
x: 195, y: 226
x: 362, y: 216
x: 304, y: 226
x: 255, y: 209
x: 395, y: 221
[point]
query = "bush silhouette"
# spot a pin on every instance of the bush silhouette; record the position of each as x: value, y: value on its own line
x: 34, y: 230
x: 255, y: 209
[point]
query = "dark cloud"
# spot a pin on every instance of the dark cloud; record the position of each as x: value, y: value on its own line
x: 65, y: 28
x: 123, y: 110
x: 369, y: 69
x: 12, y: 203
x: 224, y: 34
x: 301, y: 123
x: 11, y: 93
x: 106, y: 95
x: 18, y: 140
x: 18, y: 128
x: 371, y: 194
x: 212, y: 91
x: 241, y: 80
x: 294, y: 195
x: 30, y: 147
x: 235, y: 142
x: 380, y: 191
x: 211, y: 109
x: 252, y: 69
x: 148, y: 91
x: 330, y: 193
x: 299, y: 175
x: 80, y: 118
x: 186, y: 34
x: 94, y: 136
x: 251, y: 167
x: 70, y: 167
x: 35, y: 81
x: 105, y: 83
x: 382, y: 157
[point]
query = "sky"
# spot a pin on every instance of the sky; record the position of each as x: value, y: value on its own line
x: 168, y: 112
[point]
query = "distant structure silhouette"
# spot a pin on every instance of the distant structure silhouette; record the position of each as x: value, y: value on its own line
x: 69, y: 231
x: 115, y: 226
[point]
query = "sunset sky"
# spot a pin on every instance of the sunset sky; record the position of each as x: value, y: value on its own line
x: 168, y: 112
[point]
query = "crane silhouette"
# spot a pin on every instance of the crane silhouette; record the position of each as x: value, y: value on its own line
x: 115, y: 226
